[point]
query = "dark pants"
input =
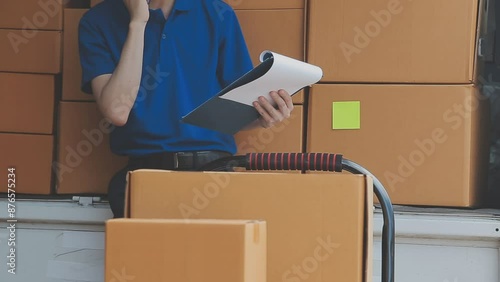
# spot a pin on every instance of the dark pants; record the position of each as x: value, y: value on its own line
x: 190, y: 161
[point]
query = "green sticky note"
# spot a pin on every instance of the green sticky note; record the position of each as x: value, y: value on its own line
x: 346, y: 115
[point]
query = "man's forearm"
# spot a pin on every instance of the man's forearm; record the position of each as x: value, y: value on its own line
x: 119, y: 94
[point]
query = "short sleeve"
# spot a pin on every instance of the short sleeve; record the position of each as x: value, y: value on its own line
x: 95, y: 56
x: 234, y: 58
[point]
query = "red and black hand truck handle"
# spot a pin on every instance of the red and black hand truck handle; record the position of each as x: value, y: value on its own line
x: 321, y: 162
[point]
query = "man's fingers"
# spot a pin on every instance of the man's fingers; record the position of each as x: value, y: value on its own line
x: 275, y: 114
x: 287, y: 98
x: 268, y: 120
x: 269, y: 114
x: 285, y: 112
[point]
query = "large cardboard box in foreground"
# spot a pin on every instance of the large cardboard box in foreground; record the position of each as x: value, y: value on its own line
x: 427, y: 144
x: 30, y: 51
x: 318, y: 226
x: 31, y: 156
x: 285, y: 137
x: 426, y: 41
x: 85, y: 162
x: 186, y: 250
x: 27, y: 103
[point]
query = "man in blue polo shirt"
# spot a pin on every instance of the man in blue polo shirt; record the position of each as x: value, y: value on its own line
x: 149, y: 64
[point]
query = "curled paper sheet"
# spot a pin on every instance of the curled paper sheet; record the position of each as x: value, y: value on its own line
x: 276, y: 72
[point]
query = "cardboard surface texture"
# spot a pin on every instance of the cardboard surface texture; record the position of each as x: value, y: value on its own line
x: 282, y: 138
x: 27, y: 103
x: 30, y: 51
x: 428, y: 145
x: 284, y: 36
x: 32, y: 14
x: 72, y: 71
x: 263, y: 32
x: 425, y: 41
x: 85, y: 162
x: 180, y: 250
x: 31, y: 156
x: 316, y: 223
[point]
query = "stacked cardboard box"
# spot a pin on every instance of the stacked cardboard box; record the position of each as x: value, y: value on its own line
x: 30, y: 59
x: 399, y: 95
x: 31, y: 157
x: 393, y: 41
x: 30, y: 67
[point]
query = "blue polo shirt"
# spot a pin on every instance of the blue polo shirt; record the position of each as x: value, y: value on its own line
x: 188, y: 58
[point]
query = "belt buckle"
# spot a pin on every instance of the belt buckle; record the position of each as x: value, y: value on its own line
x: 176, y: 161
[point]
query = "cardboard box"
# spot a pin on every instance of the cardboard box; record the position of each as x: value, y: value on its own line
x: 265, y: 4
x: 32, y: 51
x: 285, y: 36
x: 427, y: 144
x: 186, y: 250
x: 27, y: 103
x: 426, y: 41
x: 72, y: 70
x: 319, y: 225
x: 31, y: 156
x: 85, y: 162
x: 35, y: 14
x: 285, y: 137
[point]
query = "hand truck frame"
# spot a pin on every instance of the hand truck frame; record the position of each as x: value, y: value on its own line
x: 321, y: 162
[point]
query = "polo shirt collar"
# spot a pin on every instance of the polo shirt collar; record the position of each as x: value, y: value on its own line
x: 179, y: 6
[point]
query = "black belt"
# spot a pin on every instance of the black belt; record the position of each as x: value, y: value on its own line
x: 176, y: 160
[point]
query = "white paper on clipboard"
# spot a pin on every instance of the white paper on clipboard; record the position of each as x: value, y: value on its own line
x: 285, y: 73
